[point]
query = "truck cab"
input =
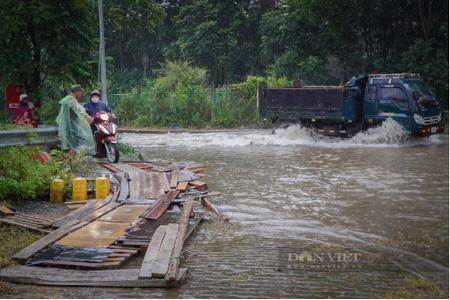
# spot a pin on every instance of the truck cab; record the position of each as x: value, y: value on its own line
x: 406, y: 99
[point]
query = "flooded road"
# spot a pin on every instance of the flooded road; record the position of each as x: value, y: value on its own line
x: 310, y: 218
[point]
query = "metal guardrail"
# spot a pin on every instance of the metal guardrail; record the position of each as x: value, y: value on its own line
x: 15, y: 137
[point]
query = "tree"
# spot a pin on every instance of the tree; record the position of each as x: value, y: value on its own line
x: 39, y: 39
x: 221, y: 36
x: 132, y: 40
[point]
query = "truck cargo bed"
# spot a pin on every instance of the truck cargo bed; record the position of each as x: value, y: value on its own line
x: 307, y: 98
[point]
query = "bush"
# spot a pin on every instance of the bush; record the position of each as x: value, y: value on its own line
x: 22, y: 177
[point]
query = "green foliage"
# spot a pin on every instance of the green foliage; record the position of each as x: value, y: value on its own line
x: 21, y: 177
x: 173, y: 73
x: 311, y: 71
x: 46, y: 37
x: 239, y: 107
x: 427, y: 59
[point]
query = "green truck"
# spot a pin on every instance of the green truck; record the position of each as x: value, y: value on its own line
x: 364, y: 102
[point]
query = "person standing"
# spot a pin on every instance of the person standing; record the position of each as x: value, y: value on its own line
x: 23, y: 115
x: 74, y: 130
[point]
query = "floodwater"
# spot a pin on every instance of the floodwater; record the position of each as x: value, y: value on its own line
x: 309, y: 217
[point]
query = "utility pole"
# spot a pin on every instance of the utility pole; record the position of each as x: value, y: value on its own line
x: 102, y: 53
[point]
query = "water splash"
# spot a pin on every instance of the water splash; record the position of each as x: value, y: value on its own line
x: 390, y: 132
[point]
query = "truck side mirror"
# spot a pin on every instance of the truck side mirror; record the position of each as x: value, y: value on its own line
x: 415, y: 95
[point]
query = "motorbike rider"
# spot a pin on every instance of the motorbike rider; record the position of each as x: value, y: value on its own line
x: 95, y: 105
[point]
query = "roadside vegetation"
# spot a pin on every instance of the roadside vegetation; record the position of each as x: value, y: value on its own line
x: 181, y: 97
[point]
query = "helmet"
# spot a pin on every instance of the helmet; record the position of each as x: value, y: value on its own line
x: 95, y: 92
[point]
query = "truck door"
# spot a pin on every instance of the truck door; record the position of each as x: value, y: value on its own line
x: 394, y: 103
x: 370, y: 103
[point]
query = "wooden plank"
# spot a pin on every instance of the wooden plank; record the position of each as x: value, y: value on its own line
x: 162, y: 206
x: 100, y: 212
x: 111, y: 259
x: 206, y: 203
x: 138, y: 201
x: 162, y: 263
x: 124, y: 251
x: 152, y: 252
x: 172, y: 272
x: 136, y: 192
x: 27, y: 225
x: 119, y: 255
x: 27, y: 220
x: 198, y: 171
x: 82, y: 211
x: 124, y: 186
x: 174, y: 180
x: 153, y: 187
x: 164, y: 181
x: 48, y: 239
x: 82, y: 278
x: 111, y: 168
x: 127, y: 168
x: 4, y: 211
x: 80, y: 202
x: 182, y: 186
x: 198, y: 167
x: 199, y: 185
x: 74, y: 206
x: 84, y: 264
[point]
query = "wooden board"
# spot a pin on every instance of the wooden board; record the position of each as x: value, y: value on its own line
x: 199, y: 185
x: 124, y: 186
x: 91, y: 265
x: 198, y: 167
x: 82, y: 278
x: 182, y: 186
x: 82, y: 211
x: 4, y: 211
x: 47, y: 240
x: 162, y: 206
x: 126, y: 213
x: 96, y: 234
x: 143, y: 232
x: 178, y: 246
x: 100, y: 212
x: 154, y: 187
x: 111, y: 168
x: 174, y: 179
x: 164, y: 182
x: 37, y: 222
x: 127, y: 168
x: 165, y: 251
x: 152, y: 252
x: 145, y: 186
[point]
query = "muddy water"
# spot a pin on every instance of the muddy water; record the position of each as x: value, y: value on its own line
x: 310, y: 217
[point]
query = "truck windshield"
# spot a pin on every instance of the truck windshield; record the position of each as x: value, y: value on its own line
x: 421, y: 87
x: 426, y: 96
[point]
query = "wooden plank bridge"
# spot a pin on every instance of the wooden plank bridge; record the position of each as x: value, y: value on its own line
x: 148, y: 217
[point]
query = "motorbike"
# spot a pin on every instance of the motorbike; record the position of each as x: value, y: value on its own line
x: 104, y: 137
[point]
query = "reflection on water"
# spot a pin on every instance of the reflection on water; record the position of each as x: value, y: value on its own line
x: 384, y: 200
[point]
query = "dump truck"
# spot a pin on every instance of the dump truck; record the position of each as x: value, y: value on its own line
x: 366, y: 101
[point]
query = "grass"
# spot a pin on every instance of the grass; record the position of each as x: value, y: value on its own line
x: 419, y: 289
x: 12, y: 240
